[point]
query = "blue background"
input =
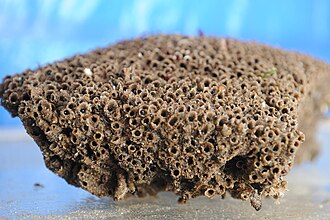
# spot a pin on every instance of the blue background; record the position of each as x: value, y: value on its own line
x: 34, y: 33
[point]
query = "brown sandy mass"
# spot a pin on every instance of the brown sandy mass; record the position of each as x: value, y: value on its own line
x: 192, y: 115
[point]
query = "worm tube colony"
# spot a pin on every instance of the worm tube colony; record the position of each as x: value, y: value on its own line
x: 198, y: 116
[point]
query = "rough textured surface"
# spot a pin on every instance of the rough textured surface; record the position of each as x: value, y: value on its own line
x: 196, y: 116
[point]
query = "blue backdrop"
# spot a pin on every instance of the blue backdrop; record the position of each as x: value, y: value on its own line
x: 34, y: 33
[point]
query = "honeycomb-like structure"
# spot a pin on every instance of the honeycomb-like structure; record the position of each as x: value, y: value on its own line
x: 192, y: 115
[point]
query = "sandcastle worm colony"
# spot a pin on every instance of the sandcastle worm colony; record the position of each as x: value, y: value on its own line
x: 198, y: 116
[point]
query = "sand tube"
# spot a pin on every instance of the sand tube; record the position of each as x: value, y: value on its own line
x: 198, y: 116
